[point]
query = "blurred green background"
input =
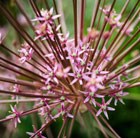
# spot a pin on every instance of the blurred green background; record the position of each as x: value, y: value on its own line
x: 125, y: 120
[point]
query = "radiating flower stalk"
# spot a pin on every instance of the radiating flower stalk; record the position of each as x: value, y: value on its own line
x: 60, y: 74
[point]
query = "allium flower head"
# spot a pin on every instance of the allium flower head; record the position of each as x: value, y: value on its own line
x: 60, y: 74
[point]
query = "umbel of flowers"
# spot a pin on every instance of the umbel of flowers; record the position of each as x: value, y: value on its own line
x: 63, y: 74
